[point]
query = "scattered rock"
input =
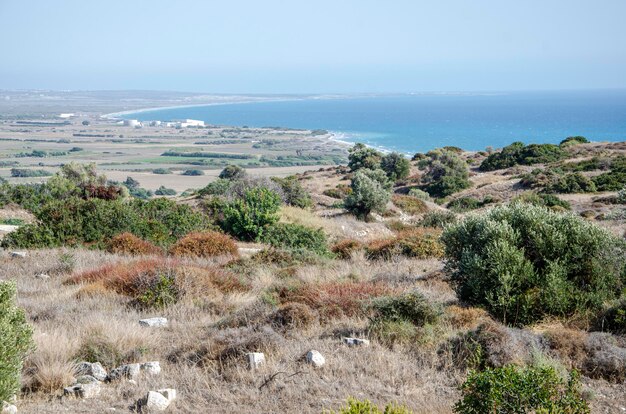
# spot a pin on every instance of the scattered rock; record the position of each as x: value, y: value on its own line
x: 129, y: 371
x: 153, y: 322
x: 8, y: 408
x: 42, y: 276
x: 96, y: 370
x: 18, y: 254
x: 314, y: 358
x: 356, y: 341
x: 255, y: 359
x: 84, y: 390
x: 152, y: 368
x: 157, y: 400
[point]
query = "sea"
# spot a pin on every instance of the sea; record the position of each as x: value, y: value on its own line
x: 411, y: 123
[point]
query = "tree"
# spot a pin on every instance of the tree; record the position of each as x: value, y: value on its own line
x: 446, y: 173
x: 294, y: 193
x: 362, y: 156
x: 371, y: 191
x: 85, y: 122
x: 247, y: 217
x: 395, y: 165
x: 232, y: 172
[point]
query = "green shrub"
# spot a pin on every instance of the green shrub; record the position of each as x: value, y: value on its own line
x: 571, y: 183
x: 409, y: 204
x: 395, y: 165
x: 93, y: 222
x: 614, y: 319
x: 545, y: 200
x: 294, y: 193
x: 355, y: 406
x: 371, y: 191
x: 412, y: 307
x: 417, y: 193
x: 232, y: 172
x: 218, y: 187
x: 463, y: 204
x: 15, y: 341
x: 437, y: 219
x: 296, y: 237
x: 193, y: 172
x: 161, y: 292
x: 25, y: 172
x: 248, y: 217
x: 362, y: 156
x: 161, y: 171
x: 514, y: 390
x: 163, y: 191
x: 446, y: 173
x: 621, y: 196
x: 523, y: 262
x: 519, y: 154
x: 574, y: 141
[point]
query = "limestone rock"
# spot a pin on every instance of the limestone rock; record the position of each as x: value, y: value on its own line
x: 153, y: 322
x: 95, y: 369
x: 152, y: 368
x: 42, y: 276
x: 157, y: 400
x: 356, y: 342
x: 8, y: 408
x: 129, y: 371
x: 85, y: 390
x: 315, y: 358
x: 255, y: 359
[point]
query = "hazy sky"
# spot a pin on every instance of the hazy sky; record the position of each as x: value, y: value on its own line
x: 317, y: 46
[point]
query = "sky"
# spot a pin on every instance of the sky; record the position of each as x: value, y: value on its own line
x: 313, y: 46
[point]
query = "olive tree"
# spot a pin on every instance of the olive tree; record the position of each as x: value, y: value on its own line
x: 371, y: 191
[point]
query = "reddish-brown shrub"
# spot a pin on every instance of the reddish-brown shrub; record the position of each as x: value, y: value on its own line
x: 334, y: 299
x: 293, y: 315
x: 344, y: 248
x: 128, y: 243
x: 205, y: 244
x: 382, y: 249
x: 133, y: 278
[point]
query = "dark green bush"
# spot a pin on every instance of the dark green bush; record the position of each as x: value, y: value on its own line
x: 519, y: 154
x: 446, y: 173
x: 515, y: 390
x: 524, y: 262
x: 232, y: 172
x: 15, y: 341
x: 362, y: 156
x: 355, y: 406
x: 545, y: 200
x: 296, y: 237
x: 163, y: 191
x: 218, y: 187
x: 249, y: 216
x: 193, y: 172
x: 161, y: 171
x: 25, y: 172
x: 395, y: 165
x: 411, y: 307
x: 613, y: 319
x: 464, y: 204
x: 437, y: 218
x: 553, y: 181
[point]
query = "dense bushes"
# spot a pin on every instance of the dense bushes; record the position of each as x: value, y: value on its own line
x: 294, y: 193
x: 554, y: 181
x: 464, y: 204
x: 15, y: 341
x: 25, y: 172
x: 524, y: 262
x: 295, y: 237
x: 445, y: 173
x: 232, y: 172
x: 204, y: 244
x: 164, y: 191
x: 355, y: 406
x: 614, y: 318
x: 371, y: 191
x: 519, y: 154
x: 94, y: 221
x: 409, y: 204
x: 573, y: 141
x: 514, y: 390
x: 248, y: 217
x: 420, y: 243
x: 545, y: 200
x: 411, y: 307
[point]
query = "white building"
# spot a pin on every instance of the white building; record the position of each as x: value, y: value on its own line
x: 65, y: 116
x: 191, y: 123
x: 132, y: 122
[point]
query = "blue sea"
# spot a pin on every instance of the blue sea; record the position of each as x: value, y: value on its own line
x: 420, y: 122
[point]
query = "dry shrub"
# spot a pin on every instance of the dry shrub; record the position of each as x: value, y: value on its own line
x: 568, y: 345
x: 293, y: 315
x: 409, y: 204
x: 465, y: 318
x: 205, y: 244
x: 138, y: 277
x: 334, y: 299
x: 420, y: 243
x: 128, y: 243
x: 344, y: 248
x: 50, y: 367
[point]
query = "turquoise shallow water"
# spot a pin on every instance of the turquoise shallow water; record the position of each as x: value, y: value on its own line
x: 411, y: 123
